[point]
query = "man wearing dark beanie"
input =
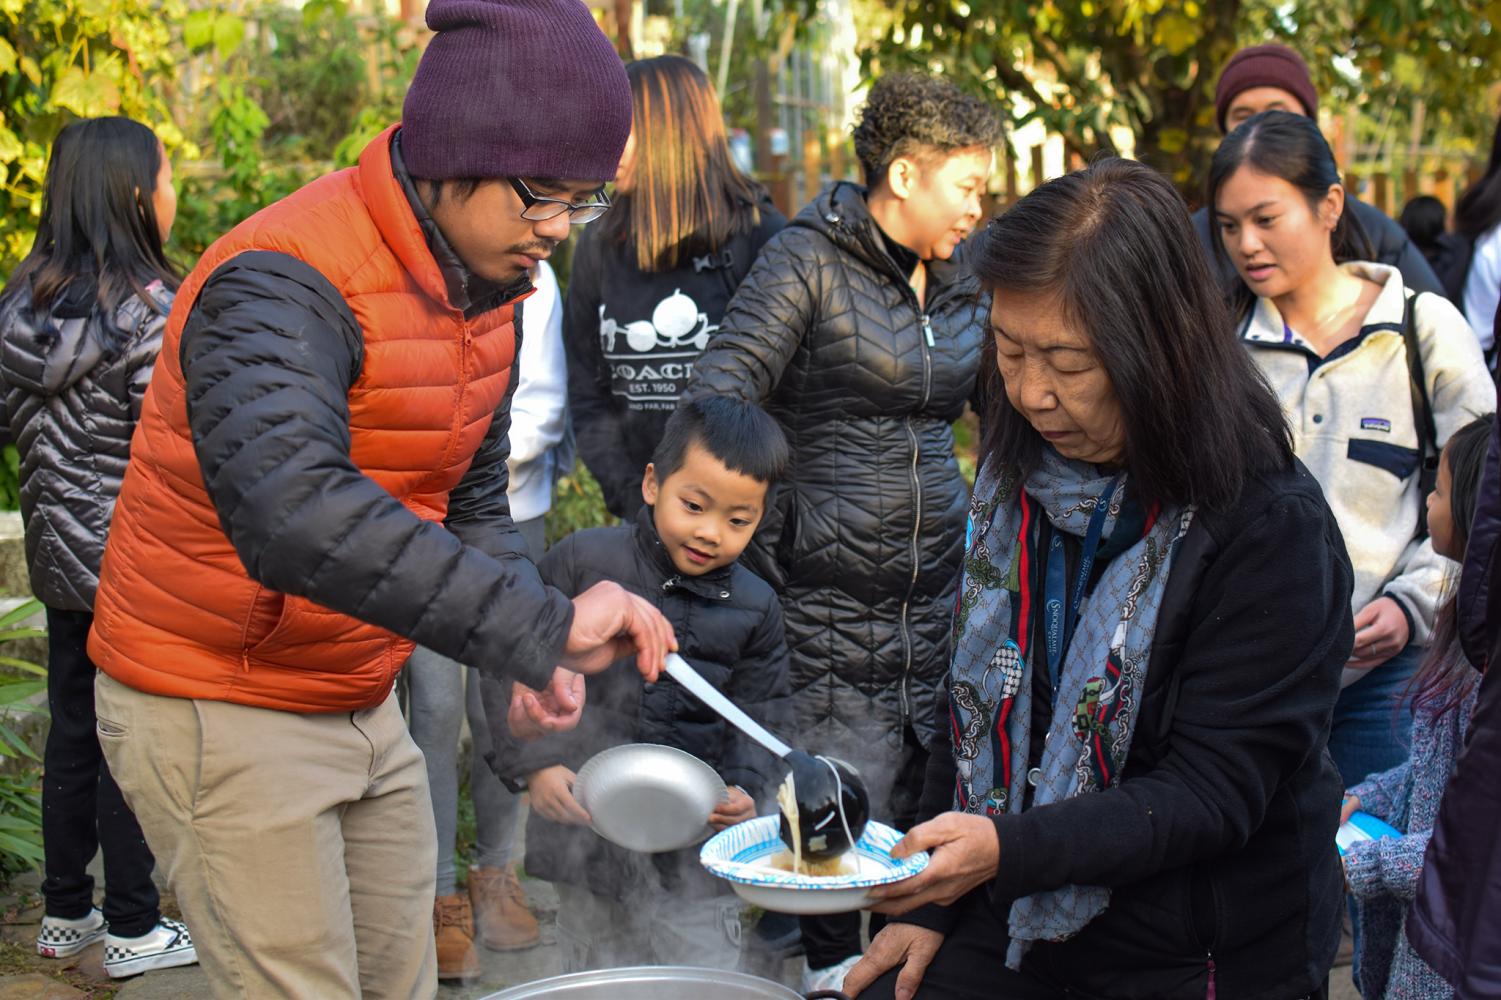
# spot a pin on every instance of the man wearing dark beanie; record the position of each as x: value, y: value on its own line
x: 318, y: 480
x: 1275, y: 78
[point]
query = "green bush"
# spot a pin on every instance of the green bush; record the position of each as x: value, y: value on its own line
x: 20, y: 778
x: 577, y: 503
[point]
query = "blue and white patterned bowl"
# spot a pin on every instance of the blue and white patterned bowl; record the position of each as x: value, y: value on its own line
x: 742, y: 856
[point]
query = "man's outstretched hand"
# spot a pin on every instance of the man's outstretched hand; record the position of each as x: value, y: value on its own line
x: 557, y: 708
x: 609, y: 622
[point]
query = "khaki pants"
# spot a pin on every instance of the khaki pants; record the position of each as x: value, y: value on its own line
x: 301, y: 847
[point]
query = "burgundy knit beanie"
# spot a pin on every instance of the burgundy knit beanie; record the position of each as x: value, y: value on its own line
x: 516, y: 88
x: 1264, y: 66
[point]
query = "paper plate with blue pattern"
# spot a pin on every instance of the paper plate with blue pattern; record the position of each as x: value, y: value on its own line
x: 744, y: 856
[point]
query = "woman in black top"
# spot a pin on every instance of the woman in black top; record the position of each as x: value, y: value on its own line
x: 1131, y: 797
x: 650, y: 283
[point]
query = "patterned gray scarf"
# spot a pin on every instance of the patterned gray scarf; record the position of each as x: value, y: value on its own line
x: 1099, y: 678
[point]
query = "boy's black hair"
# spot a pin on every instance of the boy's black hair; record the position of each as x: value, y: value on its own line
x: 740, y: 434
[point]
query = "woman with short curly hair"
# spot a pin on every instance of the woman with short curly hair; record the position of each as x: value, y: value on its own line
x: 860, y: 331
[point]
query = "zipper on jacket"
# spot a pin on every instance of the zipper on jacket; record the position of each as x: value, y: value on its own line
x: 1209, y: 990
x: 913, y: 548
x: 245, y: 632
x: 466, y: 341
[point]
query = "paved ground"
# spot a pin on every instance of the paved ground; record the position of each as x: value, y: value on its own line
x: 28, y: 977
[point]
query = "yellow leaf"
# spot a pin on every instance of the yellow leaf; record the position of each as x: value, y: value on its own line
x: 1175, y: 33
x: 87, y: 95
x: 10, y: 147
x: 170, y: 135
x: 1172, y: 140
x: 7, y: 58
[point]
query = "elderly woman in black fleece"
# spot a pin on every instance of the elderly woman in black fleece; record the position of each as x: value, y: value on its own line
x: 1132, y: 796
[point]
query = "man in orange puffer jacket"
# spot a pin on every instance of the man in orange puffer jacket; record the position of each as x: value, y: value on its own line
x: 318, y: 481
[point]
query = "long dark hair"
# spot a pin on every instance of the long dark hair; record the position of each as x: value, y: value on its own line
x: 1479, y: 208
x: 1115, y: 244
x: 1446, y: 676
x: 688, y: 197
x: 1291, y: 147
x: 98, y: 240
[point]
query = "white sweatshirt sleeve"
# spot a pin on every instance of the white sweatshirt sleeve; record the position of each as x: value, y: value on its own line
x: 1483, y: 287
x: 539, y: 408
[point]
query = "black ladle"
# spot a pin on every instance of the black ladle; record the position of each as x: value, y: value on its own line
x: 832, y: 804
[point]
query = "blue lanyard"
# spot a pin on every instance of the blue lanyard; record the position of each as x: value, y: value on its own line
x: 1060, y: 619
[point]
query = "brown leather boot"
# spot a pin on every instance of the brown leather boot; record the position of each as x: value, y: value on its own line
x: 453, y: 927
x: 500, y: 909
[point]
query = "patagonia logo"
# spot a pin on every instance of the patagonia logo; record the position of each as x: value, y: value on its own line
x: 1375, y: 424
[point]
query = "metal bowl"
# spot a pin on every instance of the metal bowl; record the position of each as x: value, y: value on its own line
x: 656, y: 982
x: 648, y: 798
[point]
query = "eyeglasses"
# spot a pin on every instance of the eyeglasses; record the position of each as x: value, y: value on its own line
x: 539, y: 209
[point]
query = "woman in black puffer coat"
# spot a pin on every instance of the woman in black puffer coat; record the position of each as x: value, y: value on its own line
x: 862, y: 336
x: 81, y: 323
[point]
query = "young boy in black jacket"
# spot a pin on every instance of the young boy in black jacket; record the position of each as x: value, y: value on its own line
x: 705, y: 491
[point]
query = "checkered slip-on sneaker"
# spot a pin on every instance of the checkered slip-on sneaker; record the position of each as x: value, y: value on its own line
x: 61, y: 938
x: 167, y: 944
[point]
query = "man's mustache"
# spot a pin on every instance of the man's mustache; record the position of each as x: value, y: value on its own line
x: 536, y: 248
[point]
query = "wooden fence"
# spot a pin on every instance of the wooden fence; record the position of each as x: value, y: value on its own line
x: 1445, y: 180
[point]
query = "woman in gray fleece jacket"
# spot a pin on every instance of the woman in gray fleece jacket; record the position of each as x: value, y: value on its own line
x: 1331, y: 333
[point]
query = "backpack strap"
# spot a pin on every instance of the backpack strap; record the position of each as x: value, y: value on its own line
x: 1422, y: 411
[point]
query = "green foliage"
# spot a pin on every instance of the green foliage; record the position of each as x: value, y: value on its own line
x: 1082, y: 67
x: 577, y: 503
x: 20, y: 782
x: 258, y: 96
x: 763, y: 30
x: 61, y: 59
x: 10, y: 478
x: 298, y: 93
x: 1387, y: 58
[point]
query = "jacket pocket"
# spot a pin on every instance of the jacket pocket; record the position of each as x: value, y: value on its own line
x: 289, y: 631
x: 1399, y: 461
x: 267, y: 608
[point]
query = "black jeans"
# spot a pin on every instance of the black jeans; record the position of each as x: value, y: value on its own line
x: 829, y: 940
x: 82, y: 809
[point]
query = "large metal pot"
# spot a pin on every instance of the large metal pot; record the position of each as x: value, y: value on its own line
x: 659, y: 982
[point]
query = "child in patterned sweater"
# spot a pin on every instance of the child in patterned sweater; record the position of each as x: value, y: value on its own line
x: 1383, y: 874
